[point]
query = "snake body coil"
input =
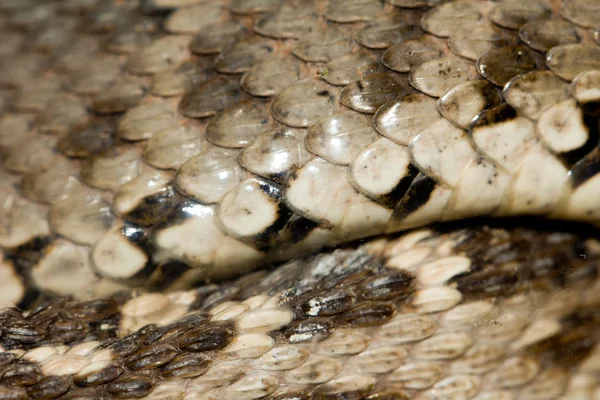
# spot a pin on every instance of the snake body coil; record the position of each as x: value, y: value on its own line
x: 153, y: 149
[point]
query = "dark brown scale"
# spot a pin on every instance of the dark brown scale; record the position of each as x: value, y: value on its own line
x: 95, y: 310
x: 151, y: 357
x: 309, y: 330
x: 369, y: 314
x: 212, y: 336
x: 187, y: 366
x: 243, y: 55
x: 489, y: 282
x: 214, y: 38
x: 131, y: 386
x: 82, y: 394
x: 388, y: 286
x: 169, y: 333
x: 574, y: 343
x: 23, y: 332
x: 107, y: 374
x: 373, y: 91
x: 94, y: 137
x: 210, y: 97
x: 13, y: 393
x: 502, y: 64
x: 21, y: 373
x: 49, y: 388
x: 226, y: 292
x: 131, y: 343
x: 67, y: 330
x: 6, y: 359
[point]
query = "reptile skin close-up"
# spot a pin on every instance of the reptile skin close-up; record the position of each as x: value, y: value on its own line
x: 300, y: 199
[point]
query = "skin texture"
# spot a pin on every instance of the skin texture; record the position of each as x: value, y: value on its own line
x: 154, y: 152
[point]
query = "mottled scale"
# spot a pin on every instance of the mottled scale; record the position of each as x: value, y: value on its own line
x: 403, y: 120
x: 323, y: 45
x: 276, y: 153
x: 162, y: 54
x: 514, y: 14
x: 243, y: 55
x: 271, y: 76
x: 348, y: 68
x: 385, y: 32
x: 193, y: 19
x: 445, y: 19
x: 531, y: 93
x: 340, y: 138
x: 371, y: 173
x: 171, y: 147
x: 437, y: 76
x: 406, y: 55
x: 544, y: 35
x: 304, y: 103
x: 462, y: 103
x: 214, y: 38
x: 237, y: 126
x: 499, y: 65
x: 210, y: 97
x: 373, y: 91
x: 209, y: 175
x: 291, y: 20
x: 178, y: 80
x: 473, y: 42
x: 561, y: 59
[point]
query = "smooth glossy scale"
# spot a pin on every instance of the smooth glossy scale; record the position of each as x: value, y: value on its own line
x: 275, y: 153
x: 437, y: 76
x: 291, y: 20
x: 373, y: 91
x: 473, y: 42
x: 443, y: 20
x: 568, y: 61
x: 383, y: 33
x: 271, y: 76
x: 462, y: 103
x: 210, y: 97
x: 544, y: 35
x: 323, y: 45
x: 304, y: 103
x: 405, y: 56
x: 535, y: 91
x: 349, y: 68
x: 340, y: 137
x: 237, y: 126
x: 513, y: 14
x: 501, y: 64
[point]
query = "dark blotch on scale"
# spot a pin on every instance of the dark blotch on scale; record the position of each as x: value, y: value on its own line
x: 392, y: 285
x: 310, y: 330
x: 326, y: 304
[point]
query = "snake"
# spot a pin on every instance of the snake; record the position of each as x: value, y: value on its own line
x: 300, y: 199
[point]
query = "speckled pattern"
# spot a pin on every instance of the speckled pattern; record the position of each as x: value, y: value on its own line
x: 167, y: 145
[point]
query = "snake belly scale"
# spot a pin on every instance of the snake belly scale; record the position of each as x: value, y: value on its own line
x: 273, y: 199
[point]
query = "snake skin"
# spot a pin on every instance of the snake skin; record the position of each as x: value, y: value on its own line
x: 154, y: 151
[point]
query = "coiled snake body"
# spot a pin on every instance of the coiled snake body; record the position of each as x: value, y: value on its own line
x: 204, y: 199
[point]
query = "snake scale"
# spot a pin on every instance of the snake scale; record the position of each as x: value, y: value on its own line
x: 300, y: 199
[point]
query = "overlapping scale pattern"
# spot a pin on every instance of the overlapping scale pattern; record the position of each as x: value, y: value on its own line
x: 175, y: 141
